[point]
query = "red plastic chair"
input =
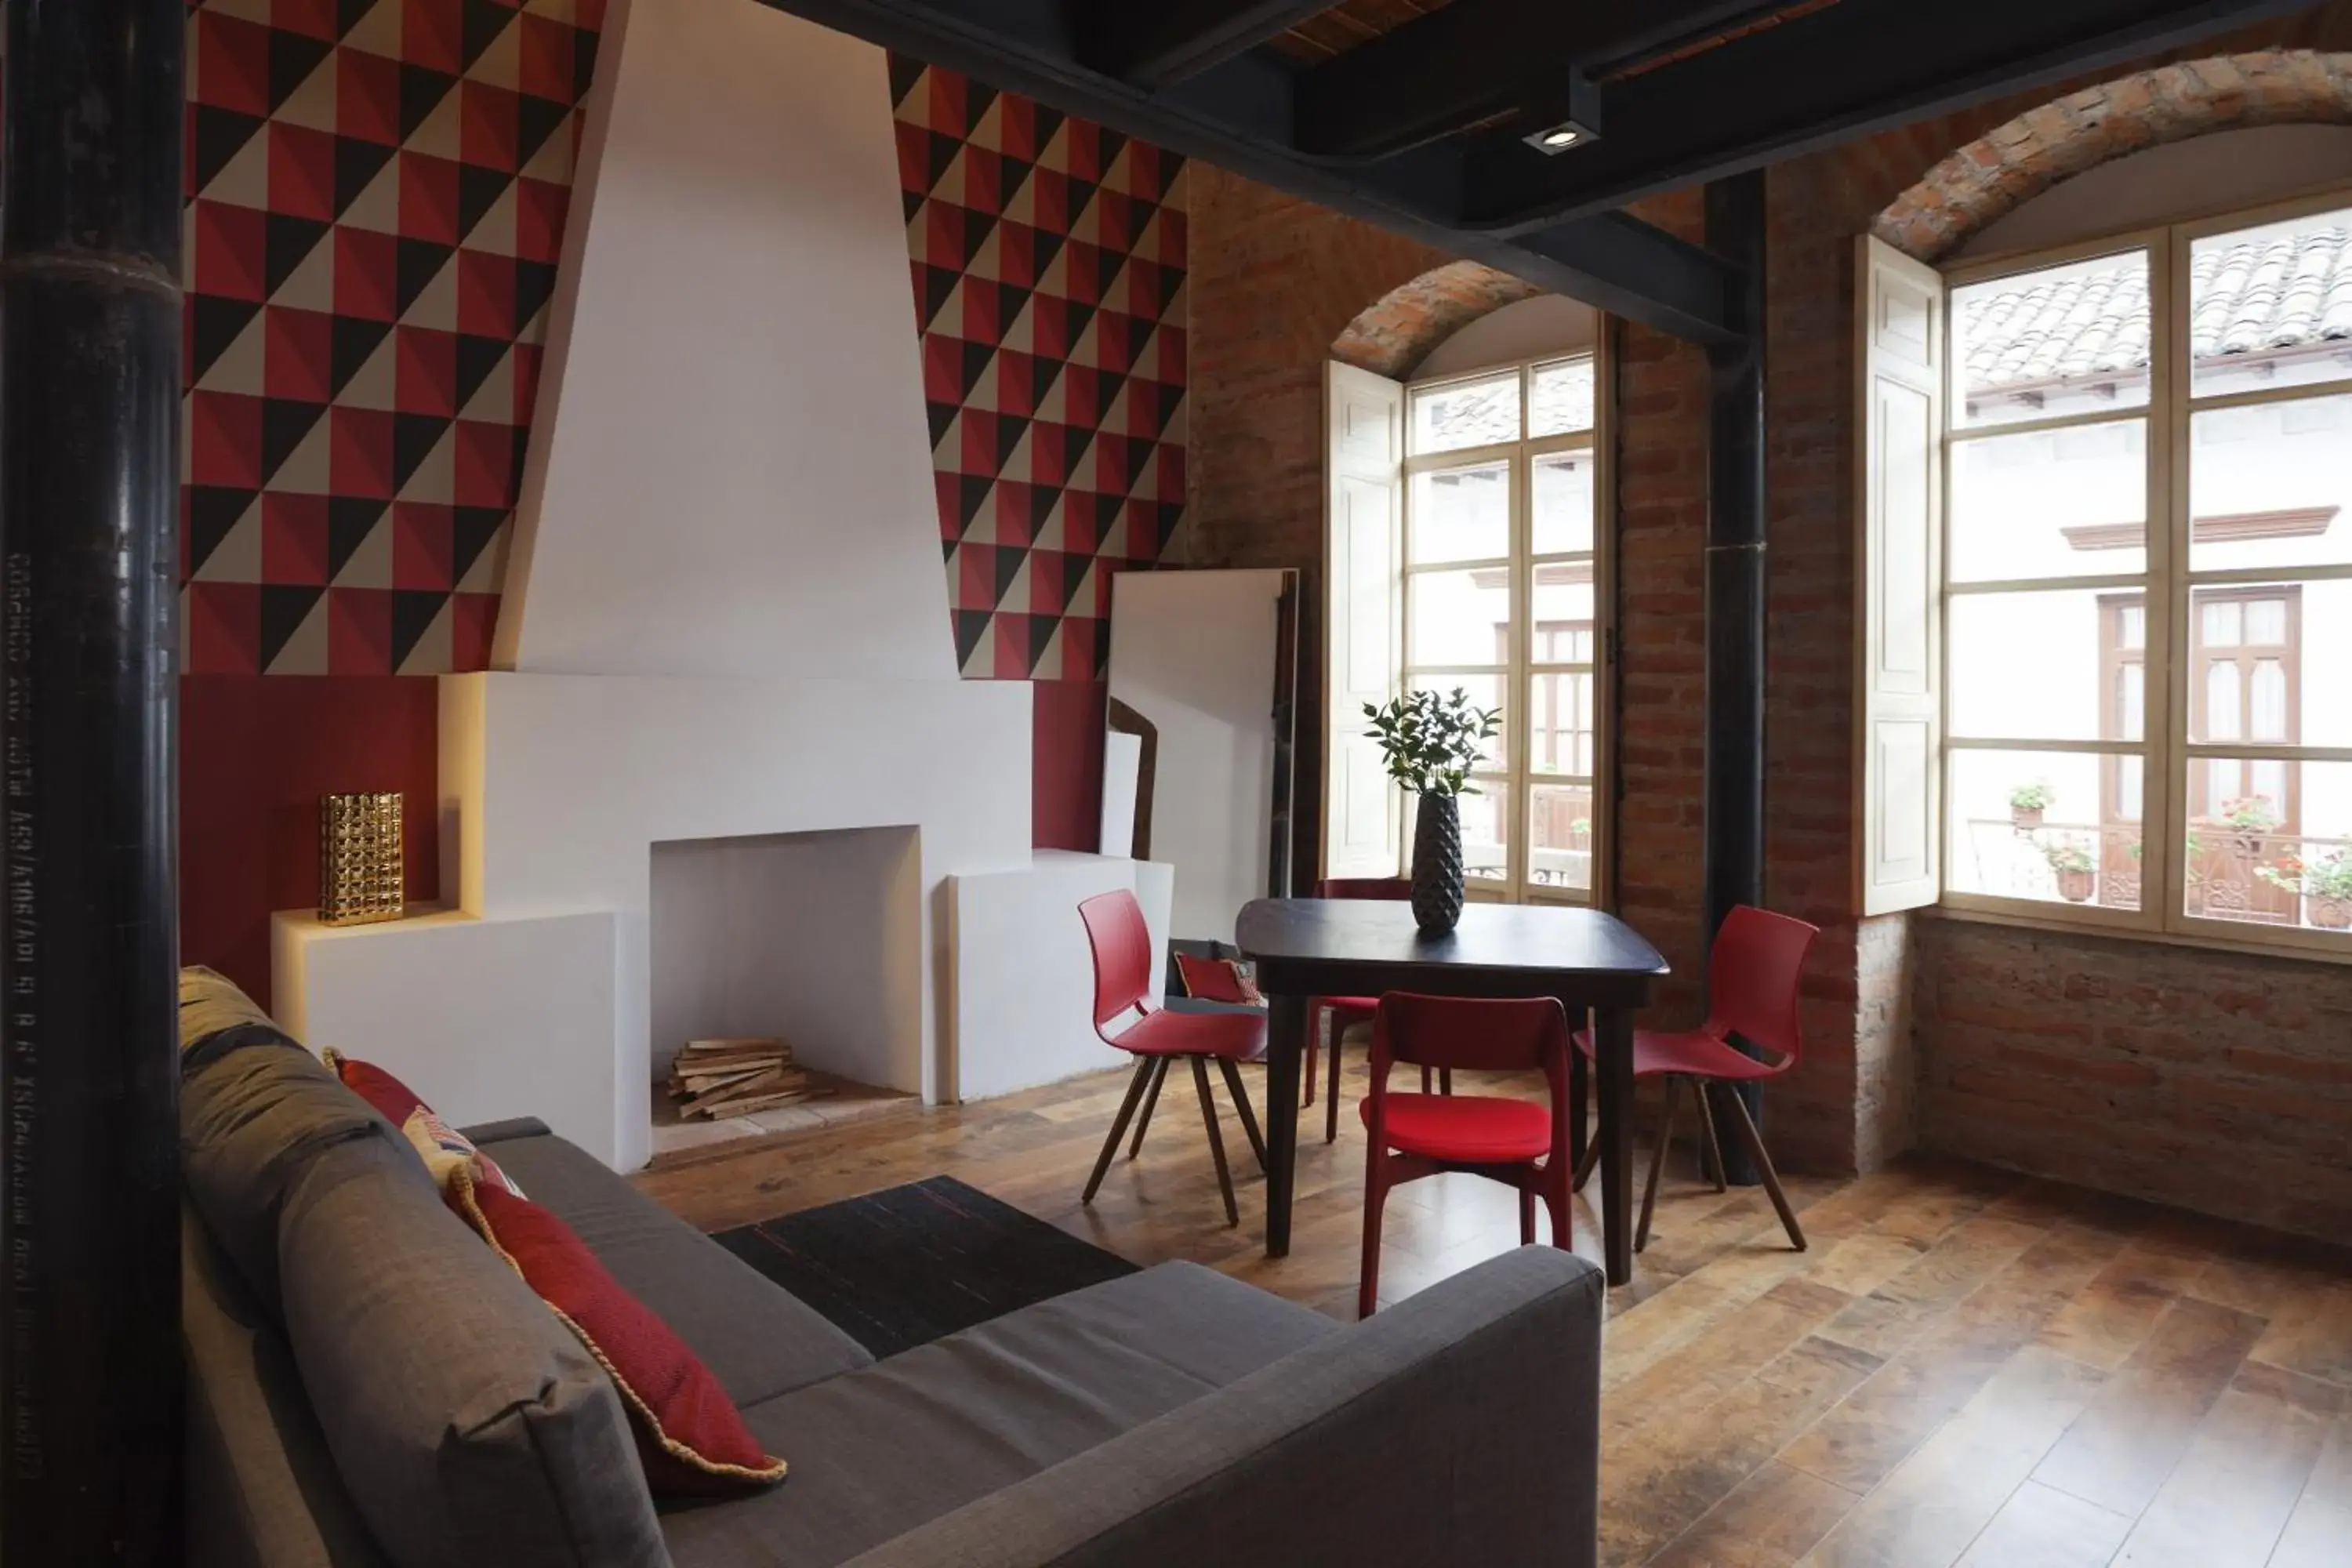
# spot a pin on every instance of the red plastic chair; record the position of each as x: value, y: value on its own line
x: 1123, y: 966
x: 1517, y: 1142
x: 1752, y: 986
x: 1346, y: 1012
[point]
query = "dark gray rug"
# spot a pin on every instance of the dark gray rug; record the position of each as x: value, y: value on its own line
x: 901, y: 1267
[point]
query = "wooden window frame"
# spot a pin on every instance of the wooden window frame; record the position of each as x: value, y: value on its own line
x: 1516, y: 668
x: 2174, y: 590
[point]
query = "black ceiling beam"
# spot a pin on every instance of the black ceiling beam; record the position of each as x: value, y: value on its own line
x: 1856, y: 67
x: 1238, y: 117
x: 1151, y: 46
x: 1460, y: 67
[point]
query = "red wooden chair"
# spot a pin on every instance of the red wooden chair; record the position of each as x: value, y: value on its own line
x: 1346, y: 1012
x: 1123, y: 967
x: 1517, y: 1142
x: 1752, y: 986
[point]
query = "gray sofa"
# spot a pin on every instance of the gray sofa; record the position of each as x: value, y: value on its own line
x: 363, y: 1390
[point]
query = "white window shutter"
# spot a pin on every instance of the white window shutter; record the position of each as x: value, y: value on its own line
x: 1363, y: 815
x: 1899, y: 355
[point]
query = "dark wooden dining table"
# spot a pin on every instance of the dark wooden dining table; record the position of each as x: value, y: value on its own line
x: 1592, y: 961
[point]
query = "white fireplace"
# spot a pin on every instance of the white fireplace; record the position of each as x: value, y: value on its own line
x: 724, y: 645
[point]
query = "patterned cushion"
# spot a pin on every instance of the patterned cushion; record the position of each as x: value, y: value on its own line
x: 442, y: 1147
x: 690, y: 1438
x: 1217, y: 980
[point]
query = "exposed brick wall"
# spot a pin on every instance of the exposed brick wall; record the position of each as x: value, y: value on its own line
x: 2217, y: 1082
x: 2021, y: 158
x: 1274, y: 280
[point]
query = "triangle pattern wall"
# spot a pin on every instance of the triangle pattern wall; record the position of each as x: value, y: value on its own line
x: 377, y: 191
x: 1048, y: 257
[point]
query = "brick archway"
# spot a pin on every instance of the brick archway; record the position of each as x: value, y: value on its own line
x: 1394, y: 333
x: 2017, y: 161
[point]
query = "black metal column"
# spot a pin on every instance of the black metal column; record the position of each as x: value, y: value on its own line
x: 1735, y: 589
x: 90, y: 411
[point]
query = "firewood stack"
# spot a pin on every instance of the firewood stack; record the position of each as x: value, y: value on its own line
x: 736, y: 1076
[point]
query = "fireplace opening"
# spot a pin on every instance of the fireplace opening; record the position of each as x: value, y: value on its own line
x: 811, y: 939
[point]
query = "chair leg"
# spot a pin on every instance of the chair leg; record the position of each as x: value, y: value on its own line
x: 1744, y: 1125
x: 1242, y: 1108
x: 1216, y: 1139
x: 1527, y: 1216
x: 1150, y: 1104
x: 1118, y: 1127
x: 1331, y: 1109
x: 1445, y: 1080
x: 1584, y: 1171
x: 1376, y: 1198
x: 1714, y: 1155
x: 1424, y: 1080
x: 1658, y: 1160
x: 1313, y: 1027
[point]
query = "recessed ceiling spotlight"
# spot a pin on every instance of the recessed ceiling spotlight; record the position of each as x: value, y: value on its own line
x: 1554, y: 139
x: 1568, y: 117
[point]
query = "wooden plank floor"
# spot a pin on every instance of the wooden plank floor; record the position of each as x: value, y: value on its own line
x: 1968, y: 1367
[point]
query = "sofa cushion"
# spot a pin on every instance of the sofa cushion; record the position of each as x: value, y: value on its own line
x: 469, y: 1424
x: 690, y: 1437
x: 255, y: 1108
x: 756, y: 1338
x: 878, y: 1452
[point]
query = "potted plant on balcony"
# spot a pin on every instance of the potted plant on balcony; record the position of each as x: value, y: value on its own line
x: 2077, y: 873
x: 2027, y: 802
x: 2326, y: 887
x: 2252, y: 818
x: 1430, y: 743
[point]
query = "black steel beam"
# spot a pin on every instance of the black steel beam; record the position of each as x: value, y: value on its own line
x: 1736, y: 544
x: 1153, y: 44
x: 1237, y: 116
x: 1858, y: 66
x: 90, y: 414
x: 1461, y: 66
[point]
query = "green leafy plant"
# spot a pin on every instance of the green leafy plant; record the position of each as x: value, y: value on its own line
x: 2030, y: 797
x: 2250, y: 814
x: 2068, y: 857
x: 2331, y: 879
x: 1431, y: 742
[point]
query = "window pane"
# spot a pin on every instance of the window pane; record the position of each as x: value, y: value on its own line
x: 2054, y: 827
x: 1561, y: 400
x: 1485, y: 831
x: 1467, y: 414
x: 2062, y: 340
x: 1560, y: 837
x: 2265, y: 663
x: 2268, y: 484
x: 1460, y: 514
x: 2051, y: 503
x: 2270, y: 843
x: 1486, y: 692
x: 2037, y: 666
x: 1564, y: 596
x: 2132, y: 630
x: 2129, y: 721
x: 2265, y: 305
x: 2222, y: 684
x: 1563, y: 503
x: 1459, y: 617
x: 1562, y: 714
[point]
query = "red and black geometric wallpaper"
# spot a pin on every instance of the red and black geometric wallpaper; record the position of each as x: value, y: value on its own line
x: 1048, y: 259
x: 377, y: 191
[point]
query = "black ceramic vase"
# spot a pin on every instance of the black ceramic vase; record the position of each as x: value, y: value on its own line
x: 1437, y: 864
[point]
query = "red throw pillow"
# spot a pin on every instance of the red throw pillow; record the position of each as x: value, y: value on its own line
x: 1216, y: 979
x: 690, y: 1438
x: 440, y: 1146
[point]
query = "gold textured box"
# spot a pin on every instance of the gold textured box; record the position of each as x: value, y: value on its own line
x: 359, y: 878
